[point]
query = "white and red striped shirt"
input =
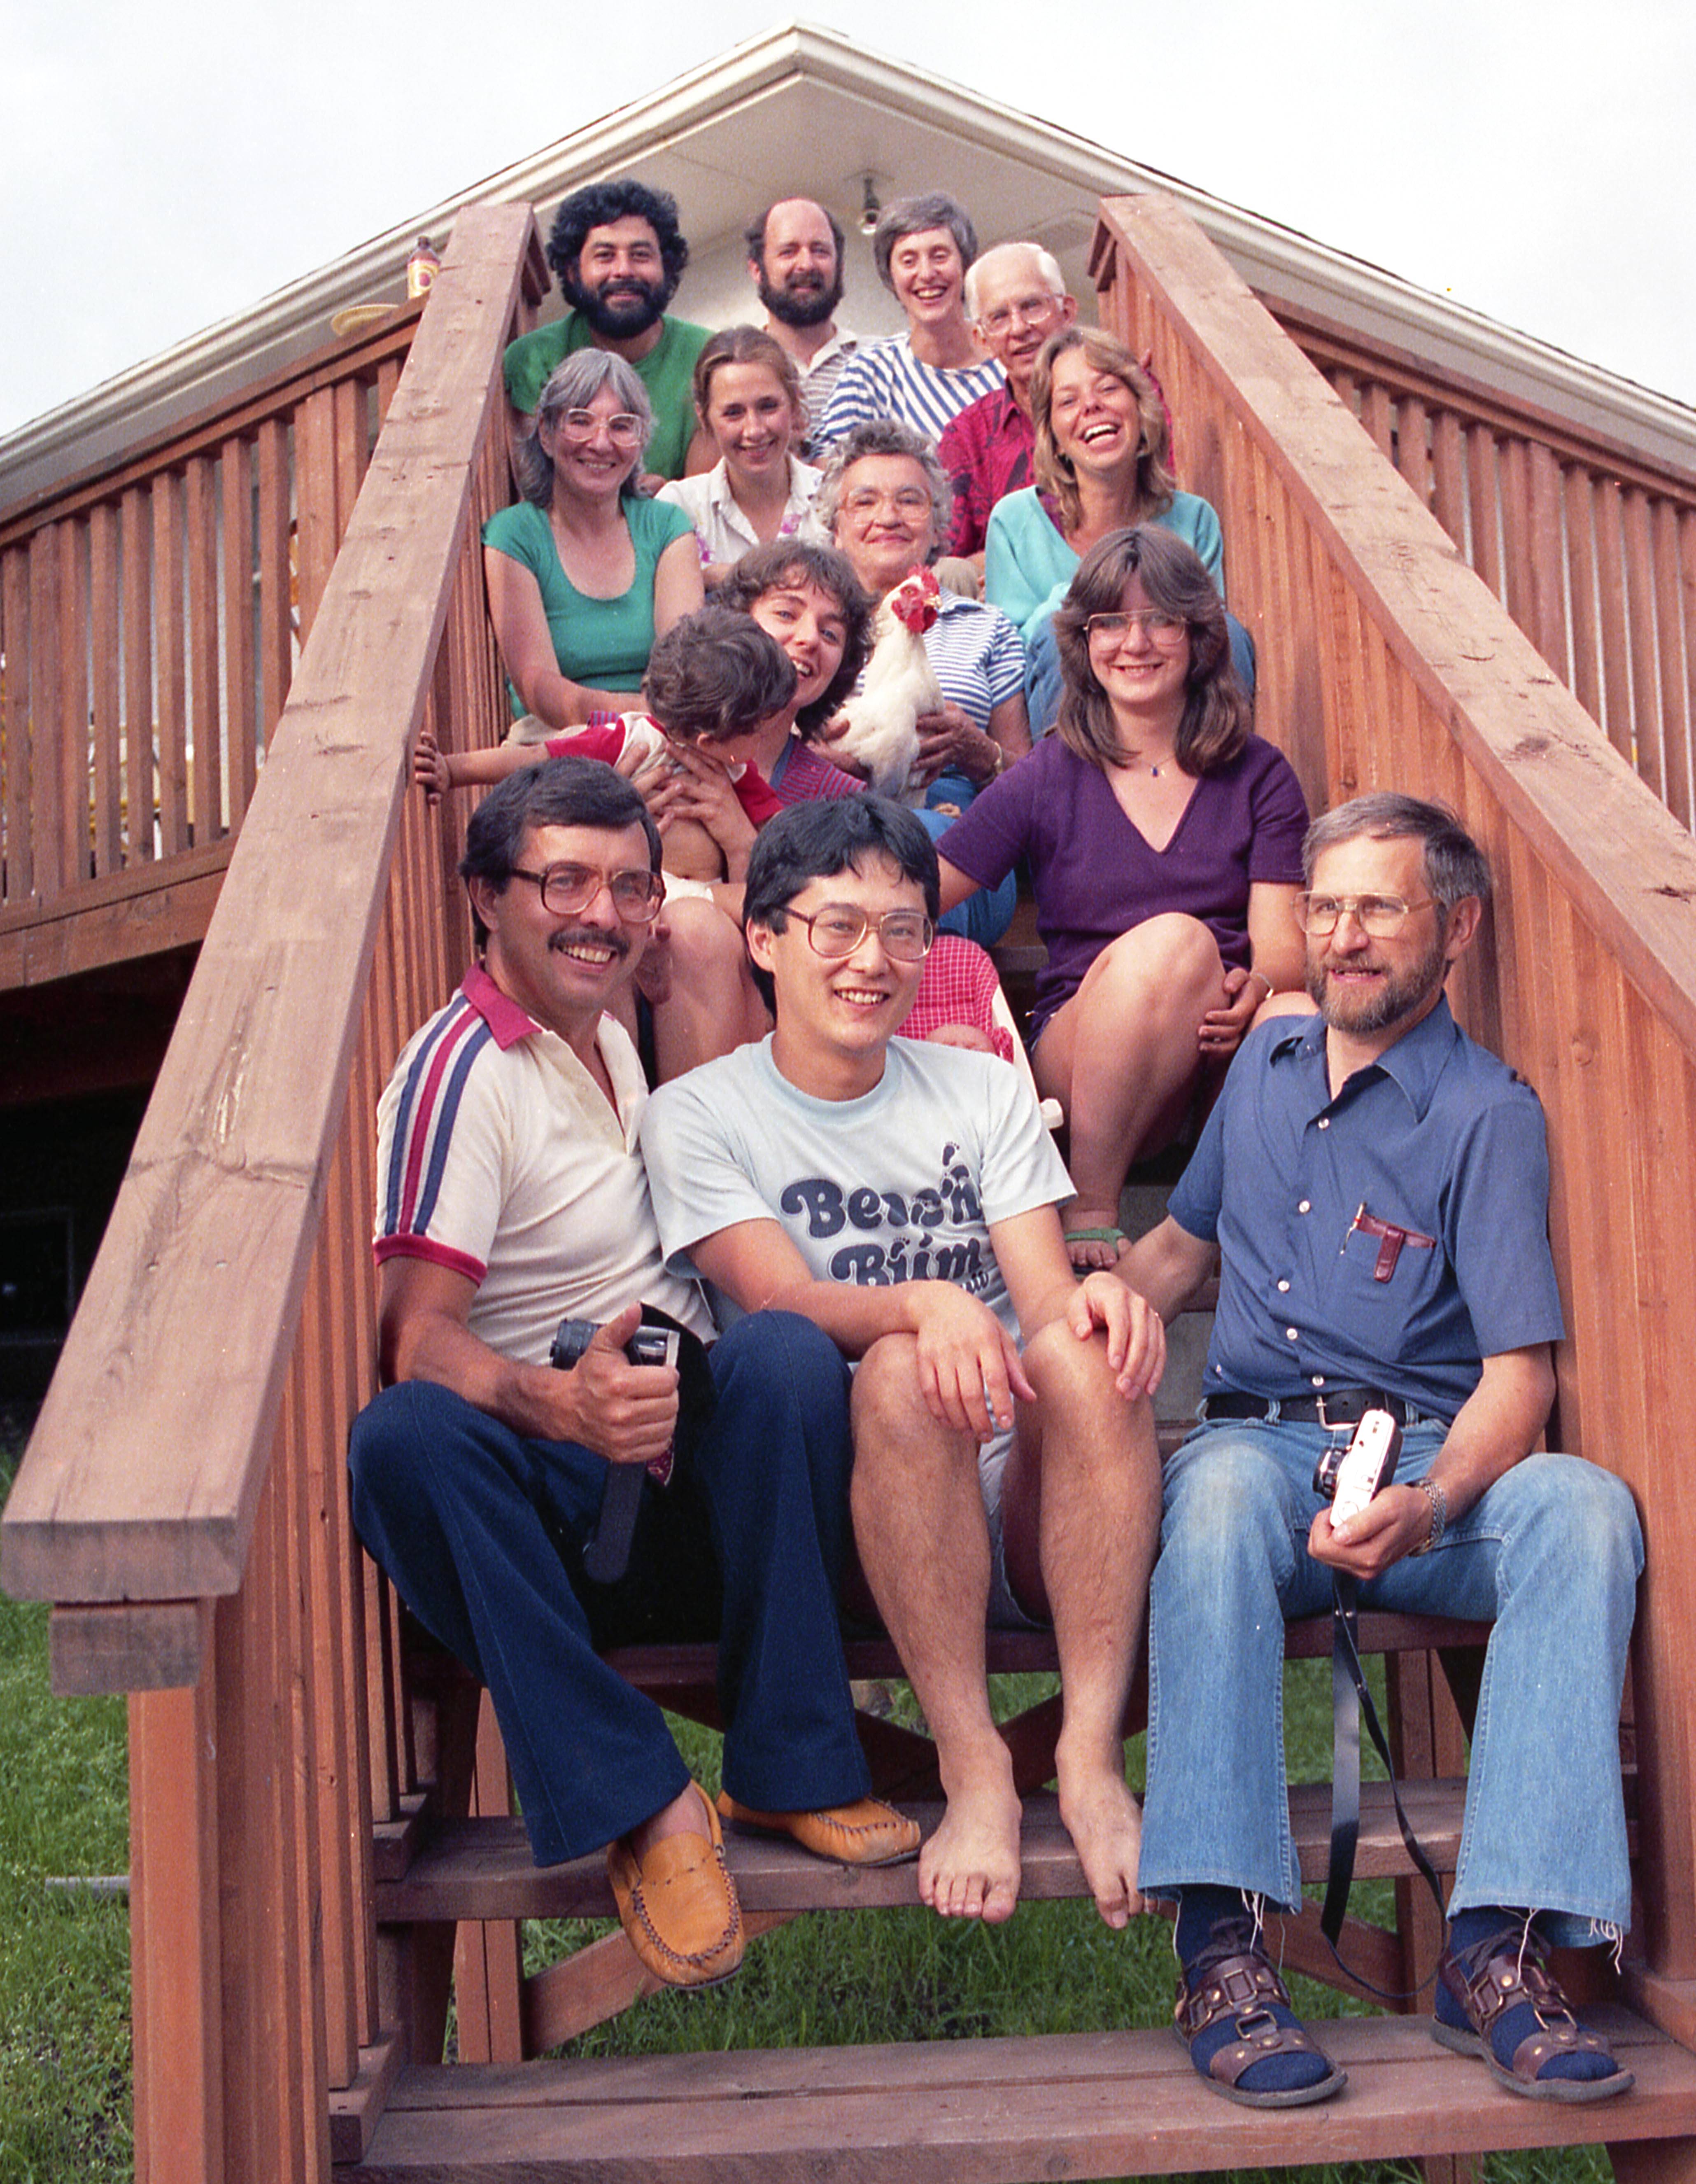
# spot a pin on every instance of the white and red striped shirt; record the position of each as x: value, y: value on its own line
x: 499, y: 1157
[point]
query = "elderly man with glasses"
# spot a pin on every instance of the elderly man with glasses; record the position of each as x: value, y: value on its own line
x: 1015, y: 297
x: 511, y: 1199
x: 901, y: 1195
x: 1376, y: 1189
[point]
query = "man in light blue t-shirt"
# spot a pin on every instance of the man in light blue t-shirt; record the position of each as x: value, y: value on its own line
x: 903, y: 1196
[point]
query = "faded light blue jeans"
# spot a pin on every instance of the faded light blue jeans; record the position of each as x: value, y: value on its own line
x: 1551, y: 1554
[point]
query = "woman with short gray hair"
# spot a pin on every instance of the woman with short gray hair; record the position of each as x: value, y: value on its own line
x: 583, y: 574
x: 922, y: 247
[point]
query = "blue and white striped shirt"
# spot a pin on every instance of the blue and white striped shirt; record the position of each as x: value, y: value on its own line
x: 885, y: 379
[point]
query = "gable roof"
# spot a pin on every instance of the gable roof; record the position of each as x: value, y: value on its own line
x: 801, y: 111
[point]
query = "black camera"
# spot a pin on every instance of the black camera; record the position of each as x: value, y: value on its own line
x: 649, y: 1345
x: 1348, y: 1478
x: 658, y: 1341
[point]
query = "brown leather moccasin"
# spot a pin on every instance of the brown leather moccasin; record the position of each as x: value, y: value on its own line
x: 678, y: 1905
x: 867, y: 1832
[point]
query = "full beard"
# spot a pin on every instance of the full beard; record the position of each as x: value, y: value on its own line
x: 1399, y: 997
x: 628, y: 309
x: 801, y: 307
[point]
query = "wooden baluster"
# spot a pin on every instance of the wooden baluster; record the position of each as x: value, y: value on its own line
x: 1611, y: 579
x: 277, y: 577
x: 171, y: 672
x: 46, y: 689
x: 76, y: 771
x: 134, y: 530
x: 1586, y: 630
x: 206, y: 801
x: 1548, y: 555
x: 244, y: 728
x: 1669, y: 646
x: 1651, y: 750
x: 106, y: 699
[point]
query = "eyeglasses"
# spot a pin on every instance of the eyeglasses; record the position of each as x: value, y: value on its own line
x: 580, y: 426
x: 1167, y: 631
x: 1380, y: 916
x: 906, y: 935
x: 1027, y: 311
x: 566, y: 889
x: 907, y: 500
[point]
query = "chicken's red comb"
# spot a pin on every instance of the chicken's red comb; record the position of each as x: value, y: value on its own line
x: 916, y: 601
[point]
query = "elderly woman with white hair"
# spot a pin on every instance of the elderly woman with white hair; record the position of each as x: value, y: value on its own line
x: 885, y: 499
x: 583, y: 574
x: 921, y: 247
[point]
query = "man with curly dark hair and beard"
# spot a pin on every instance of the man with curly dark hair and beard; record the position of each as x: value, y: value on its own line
x: 619, y: 255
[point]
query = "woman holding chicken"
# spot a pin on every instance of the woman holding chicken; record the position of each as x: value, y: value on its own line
x: 1163, y: 841
x: 885, y: 499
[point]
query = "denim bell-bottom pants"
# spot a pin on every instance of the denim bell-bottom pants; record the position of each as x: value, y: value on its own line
x: 1550, y: 1554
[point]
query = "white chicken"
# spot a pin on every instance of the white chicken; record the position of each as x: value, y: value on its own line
x: 899, y: 685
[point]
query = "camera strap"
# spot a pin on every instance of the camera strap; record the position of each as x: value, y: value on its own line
x: 1350, y: 1700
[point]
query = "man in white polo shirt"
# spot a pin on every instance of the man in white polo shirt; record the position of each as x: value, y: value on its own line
x: 511, y: 1197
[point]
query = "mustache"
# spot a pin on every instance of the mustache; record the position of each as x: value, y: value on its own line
x: 590, y: 936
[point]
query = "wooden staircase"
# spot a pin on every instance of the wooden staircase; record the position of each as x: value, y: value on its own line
x: 300, y: 1859
x: 1118, y: 2103
x: 988, y: 2112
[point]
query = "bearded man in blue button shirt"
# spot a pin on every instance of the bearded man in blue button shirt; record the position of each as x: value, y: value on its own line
x: 1377, y: 1190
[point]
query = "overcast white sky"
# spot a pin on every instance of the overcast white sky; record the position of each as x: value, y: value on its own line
x: 164, y: 164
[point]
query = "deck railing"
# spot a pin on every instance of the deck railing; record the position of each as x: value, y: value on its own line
x: 151, y: 616
x: 1591, y: 547
x: 1384, y: 662
x: 184, y: 1495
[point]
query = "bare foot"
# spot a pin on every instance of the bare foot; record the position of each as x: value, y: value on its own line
x: 1105, y: 1824
x: 1092, y: 1235
x: 969, y: 1867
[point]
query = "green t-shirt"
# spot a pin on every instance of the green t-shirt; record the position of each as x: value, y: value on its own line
x: 603, y: 643
x: 667, y: 372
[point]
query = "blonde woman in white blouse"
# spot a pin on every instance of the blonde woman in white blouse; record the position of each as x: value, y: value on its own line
x: 747, y: 396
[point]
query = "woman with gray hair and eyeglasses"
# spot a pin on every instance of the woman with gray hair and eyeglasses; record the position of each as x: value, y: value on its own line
x: 921, y: 247
x: 583, y: 574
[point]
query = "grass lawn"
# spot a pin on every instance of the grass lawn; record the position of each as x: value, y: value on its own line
x: 65, y: 1956
x: 64, y: 2030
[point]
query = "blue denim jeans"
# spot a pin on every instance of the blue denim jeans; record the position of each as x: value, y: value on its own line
x: 468, y: 1518
x: 1550, y: 1553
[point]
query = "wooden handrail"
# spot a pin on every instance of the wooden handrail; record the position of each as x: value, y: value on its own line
x: 1385, y: 661
x: 145, y: 1471
x: 360, y: 356
x: 183, y: 1500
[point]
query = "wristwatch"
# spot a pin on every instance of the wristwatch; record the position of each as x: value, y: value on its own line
x: 1439, y: 1513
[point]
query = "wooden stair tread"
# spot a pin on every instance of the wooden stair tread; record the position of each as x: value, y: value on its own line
x: 990, y: 2111
x: 656, y: 1669
x: 481, y: 1868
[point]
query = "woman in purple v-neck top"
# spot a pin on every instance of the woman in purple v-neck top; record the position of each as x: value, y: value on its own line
x: 1163, y: 843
